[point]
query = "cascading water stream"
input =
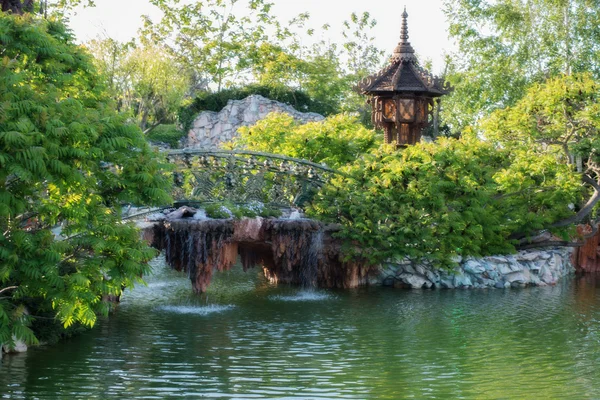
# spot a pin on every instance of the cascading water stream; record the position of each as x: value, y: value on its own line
x: 292, y: 250
x: 310, y: 267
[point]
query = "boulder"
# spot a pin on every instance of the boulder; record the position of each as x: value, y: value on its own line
x: 532, y: 256
x: 504, y: 269
x: 462, y: 280
x: 211, y: 129
x: 516, y: 277
x: 19, y: 347
x: 496, y: 259
x: 415, y: 281
x: 474, y: 267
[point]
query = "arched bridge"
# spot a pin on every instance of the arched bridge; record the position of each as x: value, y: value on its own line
x: 243, y: 176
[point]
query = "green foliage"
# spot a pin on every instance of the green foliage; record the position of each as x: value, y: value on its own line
x: 216, y: 39
x: 560, y: 120
x: 218, y: 211
x: 145, y: 79
x: 208, y: 101
x: 562, y: 113
x: 168, y: 134
x: 336, y: 141
x: 231, y: 44
x: 506, y: 45
x: 226, y: 210
x: 57, y: 7
x: 444, y: 199
x: 67, y: 161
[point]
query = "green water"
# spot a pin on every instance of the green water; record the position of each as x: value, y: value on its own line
x: 248, y: 339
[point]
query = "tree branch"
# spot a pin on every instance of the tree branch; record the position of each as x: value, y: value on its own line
x: 586, y: 209
x: 6, y: 289
x: 150, y: 129
x: 550, y: 243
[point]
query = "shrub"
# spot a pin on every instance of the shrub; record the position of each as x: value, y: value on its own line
x: 336, y: 141
x: 168, y: 134
x: 449, y: 198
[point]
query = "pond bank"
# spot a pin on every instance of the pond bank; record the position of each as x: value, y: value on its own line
x: 539, y: 267
x: 287, y: 248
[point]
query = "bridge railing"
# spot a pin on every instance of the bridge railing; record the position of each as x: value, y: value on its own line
x: 243, y: 176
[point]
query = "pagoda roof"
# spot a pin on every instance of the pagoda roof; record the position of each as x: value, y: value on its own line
x: 404, y: 73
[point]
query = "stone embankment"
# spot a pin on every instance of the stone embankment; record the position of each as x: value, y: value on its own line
x: 211, y: 129
x: 526, y: 268
x: 198, y: 245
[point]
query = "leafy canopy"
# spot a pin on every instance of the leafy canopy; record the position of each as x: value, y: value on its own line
x: 145, y: 79
x: 504, y: 46
x: 232, y: 44
x: 67, y: 163
x: 335, y: 141
x: 560, y: 118
x: 450, y: 198
x: 453, y: 197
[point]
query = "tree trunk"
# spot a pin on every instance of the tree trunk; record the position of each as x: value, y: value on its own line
x: 144, y: 120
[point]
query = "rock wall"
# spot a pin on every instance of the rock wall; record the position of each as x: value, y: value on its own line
x: 526, y: 268
x: 210, y: 129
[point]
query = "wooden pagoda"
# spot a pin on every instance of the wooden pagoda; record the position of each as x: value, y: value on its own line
x: 402, y: 95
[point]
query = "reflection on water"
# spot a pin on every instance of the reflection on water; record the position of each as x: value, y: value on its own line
x: 245, y: 339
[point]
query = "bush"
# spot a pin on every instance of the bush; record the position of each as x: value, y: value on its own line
x: 168, y: 134
x: 224, y: 210
x: 335, y: 141
x: 450, y: 198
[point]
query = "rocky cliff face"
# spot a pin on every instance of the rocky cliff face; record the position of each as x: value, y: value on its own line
x: 210, y: 129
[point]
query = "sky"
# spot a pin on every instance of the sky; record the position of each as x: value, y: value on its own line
x: 120, y: 19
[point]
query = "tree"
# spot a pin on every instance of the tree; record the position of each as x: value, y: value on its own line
x: 67, y: 162
x: 110, y: 59
x: 504, y: 46
x: 233, y: 43
x: 336, y: 141
x: 29, y: 6
x: 362, y: 58
x: 559, y: 118
x: 145, y: 79
x: 211, y: 37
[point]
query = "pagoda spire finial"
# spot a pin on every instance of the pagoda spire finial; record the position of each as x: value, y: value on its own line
x: 404, y: 51
x: 404, y: 30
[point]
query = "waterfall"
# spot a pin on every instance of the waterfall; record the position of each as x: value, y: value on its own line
x: 289, y: 250
x: 310, y: 267
x: 190, y: 253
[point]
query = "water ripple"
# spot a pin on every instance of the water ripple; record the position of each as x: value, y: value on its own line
x: 372, y: 343
x: 304, y: 295
x: 198, y: 310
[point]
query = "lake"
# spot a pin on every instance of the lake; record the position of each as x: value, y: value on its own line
x: 248, y: 339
